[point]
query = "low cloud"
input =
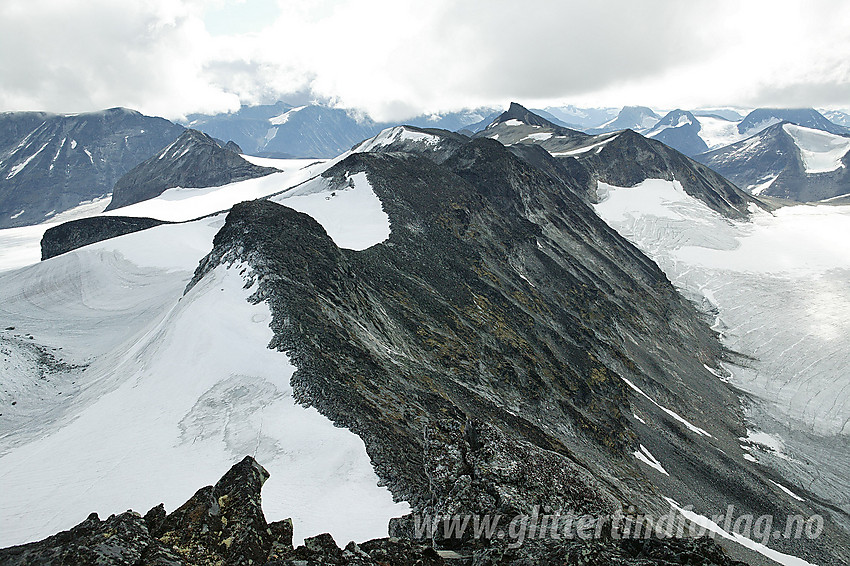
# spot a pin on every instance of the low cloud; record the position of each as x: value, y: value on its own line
x: 394, y: 59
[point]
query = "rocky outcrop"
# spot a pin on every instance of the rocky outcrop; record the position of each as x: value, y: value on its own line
x: 78, y: 233
x: 193, y: 160
x: 220, y: 525
x: 223, y: 525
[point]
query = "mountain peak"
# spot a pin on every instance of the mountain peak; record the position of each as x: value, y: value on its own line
x: 522, y: 114
x: 192, y: 160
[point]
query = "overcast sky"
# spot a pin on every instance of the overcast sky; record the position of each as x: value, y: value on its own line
x: 397, y: 58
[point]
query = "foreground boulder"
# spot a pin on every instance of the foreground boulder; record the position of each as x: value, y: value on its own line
x: 221, y: 525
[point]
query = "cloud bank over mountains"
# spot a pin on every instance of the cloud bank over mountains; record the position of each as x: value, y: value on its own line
x: 397, y: 59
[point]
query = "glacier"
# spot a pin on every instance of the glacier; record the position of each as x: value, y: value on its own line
x: 778, y: 287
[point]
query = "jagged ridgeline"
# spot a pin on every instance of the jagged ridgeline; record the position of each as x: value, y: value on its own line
x: 490, y: 351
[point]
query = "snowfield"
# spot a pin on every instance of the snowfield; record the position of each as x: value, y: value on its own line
x: 148, y: 394
x: 179, y: 204
x: 717, y: 132
x: 352, y: 216
x: 821, y: 151
x: 779, y: 289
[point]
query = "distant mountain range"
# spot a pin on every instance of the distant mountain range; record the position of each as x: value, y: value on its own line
x: 50, y: 163
x: 623, y: 158
x: 281, y: 130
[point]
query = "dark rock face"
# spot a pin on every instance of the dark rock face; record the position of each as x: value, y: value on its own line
x: 479, y: 351
x: 622, y: 159
x: 233, y: 146
x: 224, y: 525
x: 680, y: 130
x: 78, y: 233
x: 521, y: 114
x: 773, y: 155
x: 50, y: 163
x: 193, y: 160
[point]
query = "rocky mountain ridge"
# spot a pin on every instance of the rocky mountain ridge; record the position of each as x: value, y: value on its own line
x: 505, y: 321
x: 194, y: 160
x: 622, y: 159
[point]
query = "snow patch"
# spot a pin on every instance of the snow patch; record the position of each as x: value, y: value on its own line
x: 20, y: 166
x: 16, y: 215
x: 58, y: 151
x: 708, y: 524
x: 759, y: 188
x: 539, y: 136
x: 675, y: 416
x: 787, y: 491
x: 644, y: 456
x: 283, y: 118
x: 760, y: 126
x: 513, y: 122
x: 597, y: 146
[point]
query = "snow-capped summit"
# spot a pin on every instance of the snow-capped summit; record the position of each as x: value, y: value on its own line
x: 761, y: 118
x: 680, y: 130
x: 520, y: 125
x: 637, y: 118
x: 405, y: 138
